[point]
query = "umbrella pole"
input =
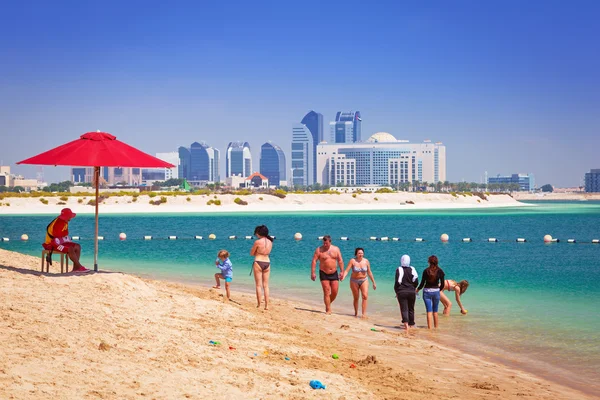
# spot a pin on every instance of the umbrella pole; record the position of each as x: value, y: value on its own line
x: 97, y: 180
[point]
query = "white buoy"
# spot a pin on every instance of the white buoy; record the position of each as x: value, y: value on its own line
x: 492, y: 240
x: 273, y: 237
x: 75, y: 238
x: 232, y: 237
x: 320, y: 238
x: 172, y: 237
x: 344, y: 238
x: 444, y: 237
x: 373, y: 238
x: 419, y: 240
x: 212, y: 236
x: 297, y: 236
x: 24, y: 237
x: 248, y: 237
x: 596, y: 241
x: 396, y: 239
x: 198, y: 237
x: 555, y: 240
x: 384, y: 238
x: 147, y: 237
x: 521, y: 240
x: 466, y: 240
x: 122, y: 236
x: 571, y: 241
x: 547, y: 238
x: 5, y: 239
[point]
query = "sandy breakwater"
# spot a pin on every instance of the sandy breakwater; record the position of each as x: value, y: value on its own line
x: 115, y: 336
x: 259, y: 203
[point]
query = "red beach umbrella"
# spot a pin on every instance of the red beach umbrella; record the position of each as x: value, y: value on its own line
x: 97, y: 149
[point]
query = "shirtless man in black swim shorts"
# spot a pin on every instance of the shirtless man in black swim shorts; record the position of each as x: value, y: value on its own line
x: 328, y: 255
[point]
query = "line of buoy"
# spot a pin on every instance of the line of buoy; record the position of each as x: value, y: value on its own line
x: 172, y: 237
x: 571, y: 241
x: 396, y: 239
x: 232, y: 237
x: 419, y: 240
x: 466, y: 240
x: 596, y: 241
x: 373, y: 238
x: 521, y: 240
x: 492, y: 240
x: 197, y: 237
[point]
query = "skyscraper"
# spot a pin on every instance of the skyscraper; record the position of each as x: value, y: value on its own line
x: 204, y: 163
x: 184, y: 163
x: 238, y: 160
x: 303, y: 159
x: 199, y: 163
x: 314, y: 122
x: 272, y: 163
x: 346, y: 128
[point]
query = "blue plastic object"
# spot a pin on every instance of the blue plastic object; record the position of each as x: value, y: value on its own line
x: 317, y: 385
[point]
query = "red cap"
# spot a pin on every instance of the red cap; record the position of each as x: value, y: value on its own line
x: 67, y: 214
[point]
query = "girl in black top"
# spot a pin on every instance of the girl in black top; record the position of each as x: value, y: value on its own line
x: 433, y: 281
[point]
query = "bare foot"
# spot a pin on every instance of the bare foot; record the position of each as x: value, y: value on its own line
x: 258, y: 306
x: 266, y: 308
x: 328, y: 312
x: 364, y: 317
x: 216, y: 287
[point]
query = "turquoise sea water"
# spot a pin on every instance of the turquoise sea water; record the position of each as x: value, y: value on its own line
x: 530, y: 304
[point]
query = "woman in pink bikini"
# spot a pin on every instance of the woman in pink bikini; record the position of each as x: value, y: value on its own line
x: 358, y: 280
x: 458, y: 289
x: 262, y: 263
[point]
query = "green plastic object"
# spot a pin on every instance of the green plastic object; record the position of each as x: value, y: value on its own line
x: 374, y: 330
x: 335, y: 356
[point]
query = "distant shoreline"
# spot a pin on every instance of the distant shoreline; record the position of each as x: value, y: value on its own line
x: 582, y: 196
x: 293, y: 202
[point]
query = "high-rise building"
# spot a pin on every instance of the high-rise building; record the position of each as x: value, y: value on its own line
x: 183, y: 170
x: 272, y: 163
x: 171, y: 157
x: 199, y: 164
x: 346, y: 128
x: 302, y: 155
x: 238, y: 160
x: 314, y: 122
x: 592, y: 181
x: 525, y: 181
x: 204, y: 163
x: 381, y: 160
x: 82, y: 175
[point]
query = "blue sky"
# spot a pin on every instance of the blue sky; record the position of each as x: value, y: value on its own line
x: 508, y: 86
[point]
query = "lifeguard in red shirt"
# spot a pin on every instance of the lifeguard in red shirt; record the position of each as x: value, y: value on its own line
x: 57, y: 239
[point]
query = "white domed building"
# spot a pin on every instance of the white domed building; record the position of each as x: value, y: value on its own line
x: 382, y: 137
x: 382, y: 160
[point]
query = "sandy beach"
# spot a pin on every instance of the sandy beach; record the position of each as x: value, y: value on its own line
x: 259, y: 203
x: 110, y: 335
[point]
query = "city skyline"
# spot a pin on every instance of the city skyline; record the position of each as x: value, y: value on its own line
x: 502, y: 100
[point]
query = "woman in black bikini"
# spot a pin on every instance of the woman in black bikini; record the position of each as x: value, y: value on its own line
x: 262, y: 264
